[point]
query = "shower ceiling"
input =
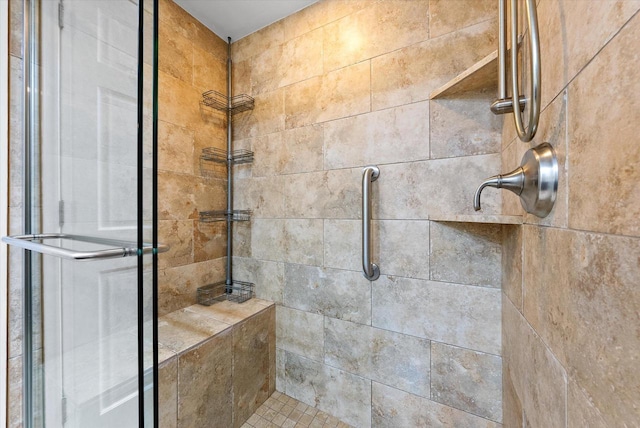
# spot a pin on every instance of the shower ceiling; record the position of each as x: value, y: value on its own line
x: 239, y: 18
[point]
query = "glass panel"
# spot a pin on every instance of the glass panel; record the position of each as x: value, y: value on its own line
x: 96, y: 145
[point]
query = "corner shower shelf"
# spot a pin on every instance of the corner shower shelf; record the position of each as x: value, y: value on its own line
x: 222, y: 215
x: 236, y: 104
x: 214, y: 154
x: 475, y: 218
x: 480, y: 75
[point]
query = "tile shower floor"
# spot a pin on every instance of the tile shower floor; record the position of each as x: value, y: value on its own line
x: 283, y: 411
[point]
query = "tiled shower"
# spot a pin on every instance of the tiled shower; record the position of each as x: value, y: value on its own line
x: 471, y: 323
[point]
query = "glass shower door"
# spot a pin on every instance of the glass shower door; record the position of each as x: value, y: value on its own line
x: 90, y: 267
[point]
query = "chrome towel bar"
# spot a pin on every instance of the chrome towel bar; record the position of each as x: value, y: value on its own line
x: 123, y: 248
x: 503, y: 104
x: 369, y: 270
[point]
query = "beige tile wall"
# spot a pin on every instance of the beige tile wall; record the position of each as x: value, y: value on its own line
x: 570, y: 283
x: 339, y: 85
x: 192, y: 61
x: 15, y: 280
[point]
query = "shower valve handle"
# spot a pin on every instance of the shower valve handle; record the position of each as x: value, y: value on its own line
x: 535, y: 181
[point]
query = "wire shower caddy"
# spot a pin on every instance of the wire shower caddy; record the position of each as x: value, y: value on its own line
x: 229, y: 289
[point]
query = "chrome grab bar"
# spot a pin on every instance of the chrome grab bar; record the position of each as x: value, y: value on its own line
x: 503, y: 104
x: 369, y: 270
x: 124, y: 248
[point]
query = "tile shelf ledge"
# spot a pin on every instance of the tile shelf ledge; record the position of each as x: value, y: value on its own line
x: 478, y: 218
x: 481, y: 75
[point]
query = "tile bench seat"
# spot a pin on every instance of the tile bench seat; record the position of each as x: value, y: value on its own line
x: 216, y: 363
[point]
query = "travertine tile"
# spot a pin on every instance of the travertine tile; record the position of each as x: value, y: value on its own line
x: 265, y: 71
x: 336, y: 9
x: 183, y: 329
x: 267, y: 239
x: 280, y: 369
x: 300, y: 332
x: 398, y: 192
x: 172, y: 15
x: 545, y: 386
x: 581, y: 412
x: 175, y: 53
x: 267, y: 276
x: 303, y: 149
x: 260, y: 41
x: 272, y: 347
x: 177, y: 285
x: 580, y: 301
x: 291, y: 151
x: 179, y: 236
x: 538, y: 379
x: 268, y: 151
x: 391, y: 358
x: 302, y: 58
x: 410, y: 74
x: 14, y: 392
x: 343, y: 244
x: 16, y: 157
x: 209, y: 240
x: 415, y: 190
x: 394, y: 408
x: 15, y: 301
x: 382, y: 28
x: 335, y: 391
x: 205, y: 384
x: 467, y: 380
x: 401, y: 247
x: 387, y: 136
x: 305, y: 20
x: 178, y: 101
x: 266, y: 117
x: 231, y: 312
x: 455, y: 180
x: 426, y: 309
x: 324, y: 194
x: 511, y: 405
x: 16, y: 20
x: 513, y: 368
x: 264, y: 196
x: 175, y: 148
x: 446, y: 16
x: 251, y: 364
x: 209, y: 194
x: 466, y: 253
x: 241, y: 76
x: 341, y: 93
x: 594, y: 132
x: 464, y: 126
x: 572, y: 48
x: 302, y: 241
x: 334, y: 293
x: 512, y: 264
x: 206, y: 40
x: 241, y: 239
x: 168, y: 393
x: 209, y: 71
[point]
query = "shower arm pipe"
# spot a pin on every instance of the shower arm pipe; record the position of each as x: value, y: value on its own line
x: 369, y: 270
x: 229, y: 216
